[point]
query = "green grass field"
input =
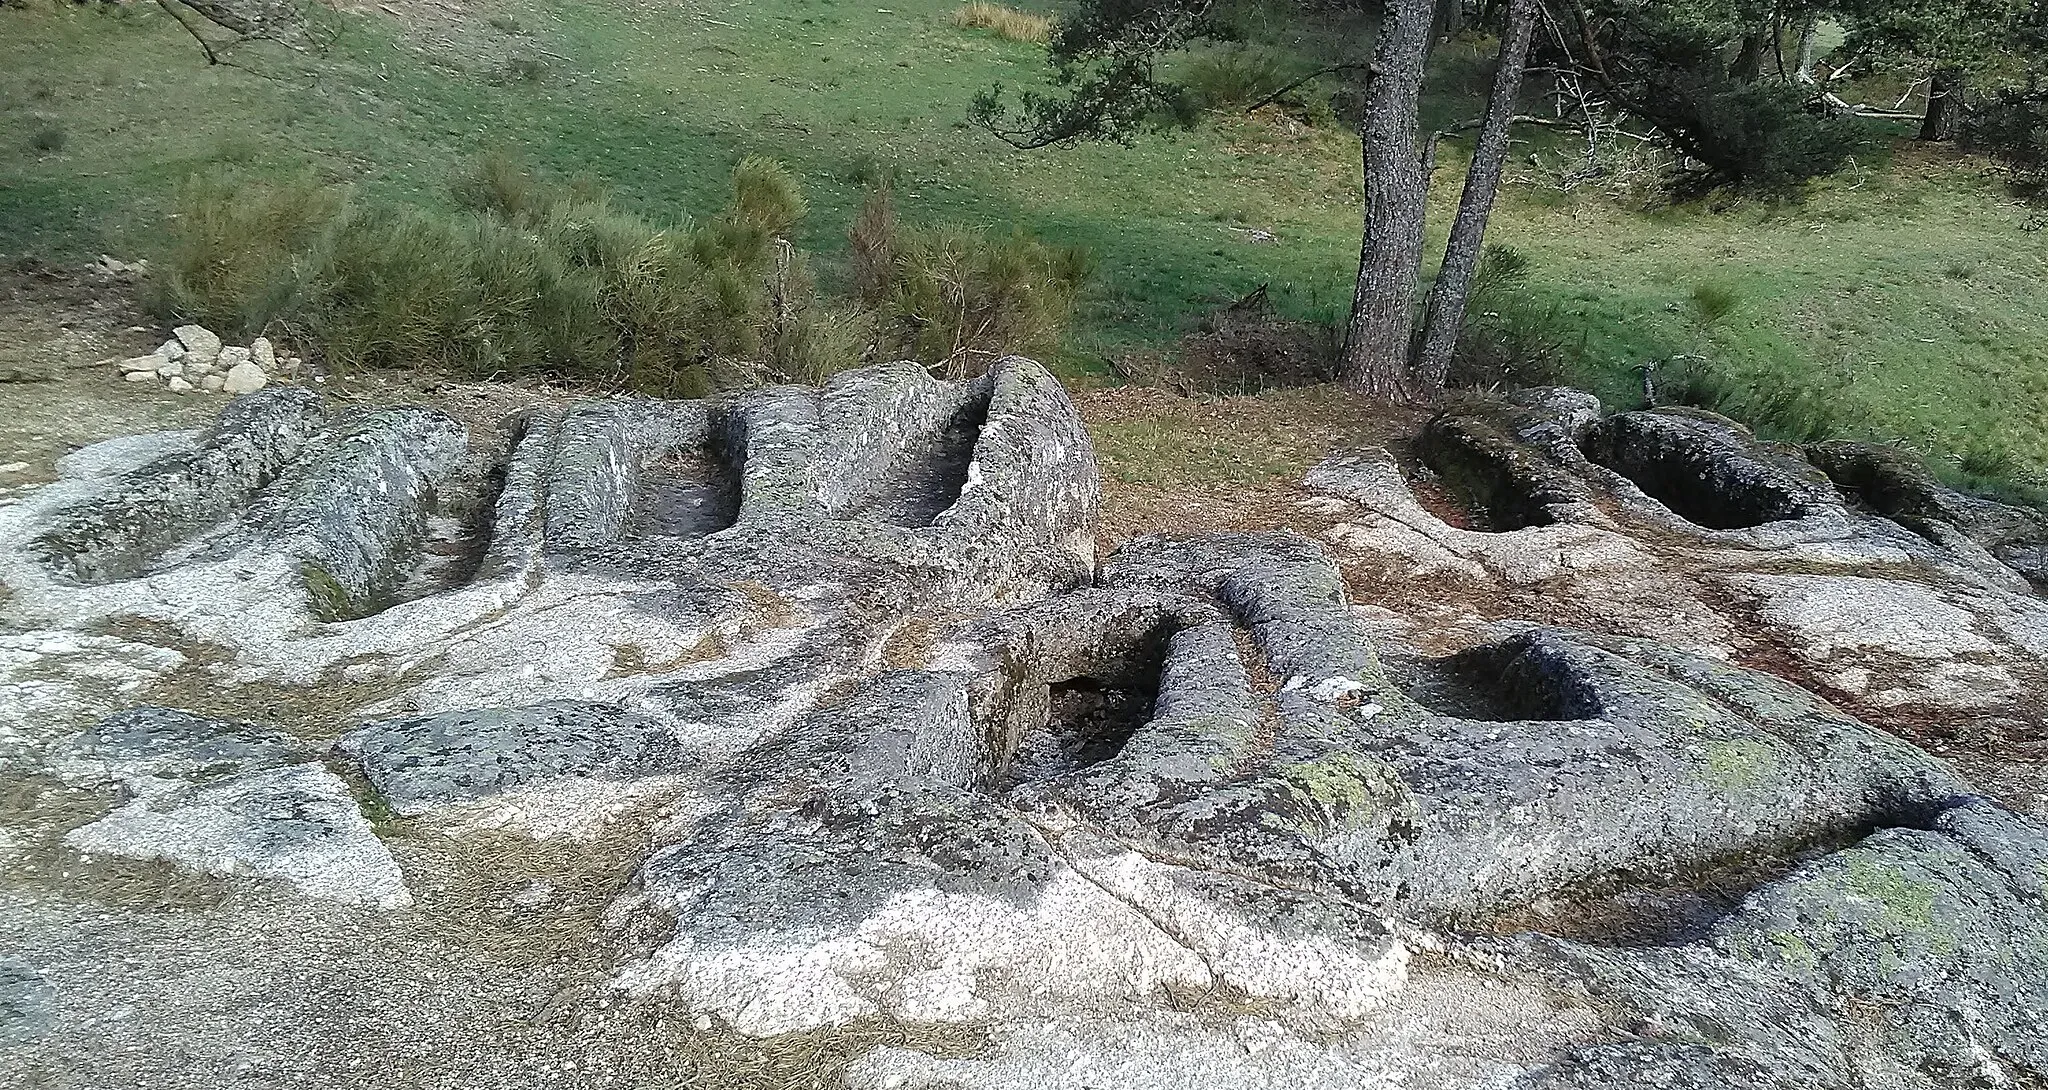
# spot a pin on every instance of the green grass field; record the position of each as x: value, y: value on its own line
x: 1908, y: 292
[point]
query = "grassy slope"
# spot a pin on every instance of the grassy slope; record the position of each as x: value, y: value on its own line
x: 1926, y: 311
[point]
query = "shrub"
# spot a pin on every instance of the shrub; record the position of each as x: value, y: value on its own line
x: 48, y: 138
x: 1669, y: 63
x: 1776, y: 406
x: 957, y: 298
x: 1509, y: 337
x: 241, y: 255
x: 1006, y: 22
x: 871, y: 247
x: 2012, y: 125
x: 531, y: 277
x: 1232, y: 75
x: 1758, y: 137
x: 1713, y: 302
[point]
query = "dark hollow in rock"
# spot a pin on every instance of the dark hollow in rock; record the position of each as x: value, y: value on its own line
x: 462, y: 520
x: 1090, y: 717
x: 692, y: 490
x: 1894, y: 484
x: 931, y: 472
x: 1702, y: 478
x: 1493, y: 477
x: 1643, y: 910
x: 1512, y: 682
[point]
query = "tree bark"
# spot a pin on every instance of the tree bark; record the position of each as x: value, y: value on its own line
x: 1450, y: 18
x: 1944, y: 108
x: 1749, y: 63
x: 1376, y: 340
x: 1445, y: 313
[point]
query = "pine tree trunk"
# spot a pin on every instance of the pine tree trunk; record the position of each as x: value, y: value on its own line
x: 1450, y: 19
x: 1376, y: 341
x: 1749, y: 63
x: 1453, y: 287
x: 1944, y: 108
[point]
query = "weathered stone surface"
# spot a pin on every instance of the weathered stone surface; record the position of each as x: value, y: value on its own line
x: 230, y: 798
x: 297, y: 823
x: 244, y: 378
x: 354, y: 513
x: 1916, y: 958
x: 119, y: 533
x: 199, y: 341
x: 417, y: 764
x: 27, y: 1003
x: 887, y: 742
x: 1679, y: 526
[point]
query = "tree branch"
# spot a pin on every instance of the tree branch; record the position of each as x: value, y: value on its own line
x: 1297, y: 84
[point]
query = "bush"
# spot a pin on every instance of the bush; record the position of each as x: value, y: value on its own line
x: 957, y: 298
x: 1668, y: 61
x: 1775, y: 406
x: 1756, y: 137
x: 1234, y: 75
x: 531, y: 277
x: 1509, y: 337
x: 1017, y: 26
x: 1713, y: 302
x: 2013, y: 126
x: 960, y: 298
x: 241, y: 255
x: 49, y: 138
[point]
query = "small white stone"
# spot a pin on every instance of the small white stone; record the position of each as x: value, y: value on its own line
x: 170, y: 349
x: 212, y: 383
x: 245, y: 378
x: 201, y: 367
x: 263, y: 354
x: 13, y: 467
x: 198, y: 340
x: 142, y: 363
x: 178, y: 385
x: 141, y: 376
x: 171, y: 368
x: 233, y: 356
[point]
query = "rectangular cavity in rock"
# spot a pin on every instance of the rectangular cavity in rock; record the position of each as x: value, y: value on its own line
x: 691, y: 489
x: 1508, y: 682
x: 180, y: 497
x: 1702, y: 480
x: 1488, y: 474
x: 931, y: 471
x: 1089, y: 717
x: 462, y: 521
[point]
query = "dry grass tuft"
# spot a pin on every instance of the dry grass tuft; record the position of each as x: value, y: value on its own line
x: 1017, y: 26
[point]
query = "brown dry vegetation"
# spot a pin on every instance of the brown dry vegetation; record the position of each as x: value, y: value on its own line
x: 1174, y: 464
x: 1017, y: 26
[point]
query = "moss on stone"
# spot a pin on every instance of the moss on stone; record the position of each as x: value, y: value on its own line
x: 1734, y: 764
x: 326, y: 597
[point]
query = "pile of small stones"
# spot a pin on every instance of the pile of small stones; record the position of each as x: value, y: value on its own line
x: 195, y: 361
